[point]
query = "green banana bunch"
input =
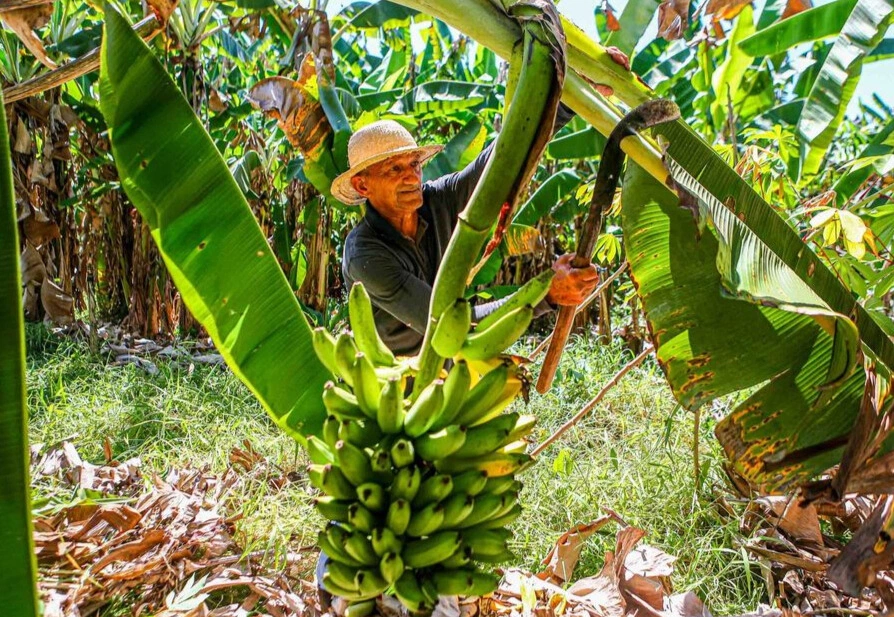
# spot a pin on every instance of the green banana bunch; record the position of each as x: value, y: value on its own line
x: 450, y: 333
x: 366, y: 337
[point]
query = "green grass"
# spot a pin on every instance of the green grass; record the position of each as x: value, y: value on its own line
x: 632, y: 454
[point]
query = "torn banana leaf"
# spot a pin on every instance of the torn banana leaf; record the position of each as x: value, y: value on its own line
x: 206, y: 233
x: 736, y: 302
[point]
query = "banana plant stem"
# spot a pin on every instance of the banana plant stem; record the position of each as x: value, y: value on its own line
x: 595, y: 401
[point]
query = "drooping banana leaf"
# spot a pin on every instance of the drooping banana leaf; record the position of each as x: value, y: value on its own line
x: 584, y: 144
x: 742, y: 303
x: 442, y: 97
x: 206, y: 233
x: 810, y: 25
x: 635, y: 18
x: 458, y: 152
x: 17, y: 585
x: 834, y: 86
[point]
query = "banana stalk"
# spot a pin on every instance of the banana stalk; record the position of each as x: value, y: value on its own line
x: 526, y: 131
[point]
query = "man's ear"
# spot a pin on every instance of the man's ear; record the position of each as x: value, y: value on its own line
x: 359, y: 184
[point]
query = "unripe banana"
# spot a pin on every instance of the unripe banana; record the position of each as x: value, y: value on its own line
x: 372, y: 496
x: 341, y: 403
x: 494, y: 464
x: 360, y: 517
x: 345, y: 353
x: 425, y: 410
x: 510, y: 498
x: 452, y: 328
x: 391, y: 567
x: 398, y: 516
x: 364, y: 326
x: 362, y: 433
x: 390, y: 415
x: 483, y: 396
x: 343, y: 575
x: 502, y: 521
x: 324, y: 346
x: 459, y: 559
x: 402, y: 453
x: 354, y: 462
x: 333, y: 509
x: 504, y: 557
x: 515, y: 447
x: 318, y: 451
x: 366, y: 385
x: 385, y: 541
x: 330, y: 431
x: 457, y: 508
x: 331, y: 481
x: 349, y: 593
x: 433, y: 446
x: 433, y: 490
x: 406, y: 483
x: 501, y: 484
x: 456, y: 387
x: 410, y: 594
x: 370, y: 582
x: 380, y: 462
x: 487, y: 542
x: 360, y: 548
x: 336, y: 551
x: 486, y: 506
x: 523, y: 427
x: 464, y: 582
x: 480, y: 440
x: 363, y: 608
x: 431, y: 550
x: 426, y: 520
x: 531, y: 293
x: 493, y: 340
x: 485, y: 414
x: 470, y: 482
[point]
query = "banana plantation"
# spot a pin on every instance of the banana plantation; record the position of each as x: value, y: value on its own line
x: 429, y: 307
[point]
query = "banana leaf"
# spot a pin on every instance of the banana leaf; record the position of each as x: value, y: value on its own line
x: 584, y: 144
x: 458, y: 152
x: 735, y: 301
x: 880, y: 145
x: 441, y: 97
x: 548, y: 195
x: 17, y: 587
x: 635, y: 18
x: 380, y: 14
x: 218, y: 257
x: 810, y: 25
x: 834, y: 86
x: 727, y: 78
x: 884, y: 51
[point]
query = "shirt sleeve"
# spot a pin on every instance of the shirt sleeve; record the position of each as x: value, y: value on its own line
x: 392, y: 288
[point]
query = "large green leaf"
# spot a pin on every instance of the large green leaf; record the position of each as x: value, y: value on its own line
x: 744, y: 304
x: 810, y: 25
x: 442, y: 97
x: 205, y: 231
x: 880, y: 145
x: 548, y: 196
x: 584, y: 144
x: 635, y: 18
x: 17, y: 585
x: 460, y: 150
x: 834, y: 86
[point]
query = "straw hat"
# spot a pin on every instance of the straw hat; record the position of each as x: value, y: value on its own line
x: 373, y: 143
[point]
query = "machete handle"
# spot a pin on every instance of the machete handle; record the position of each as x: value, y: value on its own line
x: 556, y: 347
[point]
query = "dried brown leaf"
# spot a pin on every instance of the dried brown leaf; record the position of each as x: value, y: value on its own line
x: 870, y: 551
x: 793, y: 7
x: 59, y: 306
x: 33, y: 270
x: 40, y: 232
x: 24, y: 22
x: 798, y: 519
x: 162, y: 9
x: 673, y: 19
x: 563, y: 557
x: 649, y: 561
x: 725, y: 9
x: 300, y: 116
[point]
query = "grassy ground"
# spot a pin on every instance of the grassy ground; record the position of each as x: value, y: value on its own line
x: 633, y: 454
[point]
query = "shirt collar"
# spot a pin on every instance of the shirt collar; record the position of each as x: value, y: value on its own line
x: 381, y: 225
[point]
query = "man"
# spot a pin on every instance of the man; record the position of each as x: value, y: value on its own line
x: 397, y: 247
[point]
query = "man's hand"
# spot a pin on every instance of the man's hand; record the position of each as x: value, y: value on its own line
x: 571, y: 285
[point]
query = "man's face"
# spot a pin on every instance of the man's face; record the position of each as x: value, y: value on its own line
x: 393, y: 185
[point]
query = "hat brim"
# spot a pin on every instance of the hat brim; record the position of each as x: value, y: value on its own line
x: 342, y: 189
